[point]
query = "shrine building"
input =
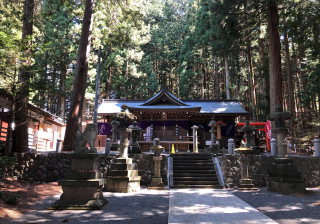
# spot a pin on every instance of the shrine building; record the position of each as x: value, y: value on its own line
x: 170, y: 119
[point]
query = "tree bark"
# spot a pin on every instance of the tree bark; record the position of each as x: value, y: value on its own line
x: 289, y: 82
x: 226, y: 60
x: 80, y: 81
x: 237, y: 79
x: 24, y: 79
x: 109, y: 83
x: 275, y: 57
x: 216, y: 76
x: 252, y: 89
x: 63, y: 89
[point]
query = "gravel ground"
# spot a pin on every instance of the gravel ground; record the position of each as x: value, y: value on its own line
x: 145, y: 206
x: 284, y: 209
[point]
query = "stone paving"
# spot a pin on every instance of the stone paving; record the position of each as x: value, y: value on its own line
x: 211, y: 206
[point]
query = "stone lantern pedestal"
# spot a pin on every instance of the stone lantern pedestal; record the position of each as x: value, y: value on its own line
x: 82, y: 185
x: 123, y: 177
x: 157, y: 183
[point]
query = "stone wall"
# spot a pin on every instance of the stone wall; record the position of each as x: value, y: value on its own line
x: 53, y: 166
x: 259, y: 166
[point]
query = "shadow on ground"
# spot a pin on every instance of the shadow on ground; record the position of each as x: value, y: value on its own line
x: 142, y: 207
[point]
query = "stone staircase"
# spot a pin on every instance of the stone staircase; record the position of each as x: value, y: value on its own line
x: 193, y: 170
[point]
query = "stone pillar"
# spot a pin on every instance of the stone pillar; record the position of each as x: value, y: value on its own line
x: 316, y: 147
x: 195, y: 139
x: 108, y: 146
x: 124, y: 133
x: 157, y: 166
x: 273, y: 147
x: 244, y: 167
x: 230, y: 145
x: 58, y: 147
x: 282, y: 149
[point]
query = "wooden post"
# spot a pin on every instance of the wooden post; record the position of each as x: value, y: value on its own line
x: 1, y: 120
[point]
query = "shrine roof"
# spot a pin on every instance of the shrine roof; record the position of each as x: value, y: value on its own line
x: 164, y: 100
x: 108, y: 107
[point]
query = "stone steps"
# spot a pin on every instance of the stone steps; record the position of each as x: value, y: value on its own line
x: 192, y: 170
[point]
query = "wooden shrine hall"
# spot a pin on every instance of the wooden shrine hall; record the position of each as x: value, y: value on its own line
x: 170, y: 119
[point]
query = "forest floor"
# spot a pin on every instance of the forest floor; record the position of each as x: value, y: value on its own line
x: 28, y: 193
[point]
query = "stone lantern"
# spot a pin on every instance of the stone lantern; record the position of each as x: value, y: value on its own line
x: 248, y: 135
x: 135, y: 134
x: 157, y: 183
x: 124, y: 118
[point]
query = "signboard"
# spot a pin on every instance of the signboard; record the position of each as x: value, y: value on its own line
x: 218, y: 132
x: 268, y: 127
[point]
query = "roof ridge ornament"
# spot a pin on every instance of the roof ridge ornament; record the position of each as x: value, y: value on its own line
x: 164, y: 96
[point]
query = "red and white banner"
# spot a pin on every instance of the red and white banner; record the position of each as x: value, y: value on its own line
x: 268, y: 127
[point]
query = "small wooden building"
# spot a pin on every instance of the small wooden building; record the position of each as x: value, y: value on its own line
x: 44, y: 128
x: 166, y: 117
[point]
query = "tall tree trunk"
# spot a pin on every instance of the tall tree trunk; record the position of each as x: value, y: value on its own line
x: 80, y: 81
x: 109, y: 83
x: 289, y: 81
x: 275, y: 57
x: 226, y: 61
x: 252, y: 89
x: 216, y: 76
x: 238, y: 78
x: 63, y: 89
x: 264, y: 80
x: 24, y: 79
x: 126, y: 83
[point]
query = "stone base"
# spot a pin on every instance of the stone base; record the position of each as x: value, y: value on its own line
x: 286, y: 187
x: 83, y: 184
x: 123, y: 177
x: 284, y: 177
x: 157, y: 184
x: 246, y: 185
x: 123, y: 184
x: 95, y: 204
